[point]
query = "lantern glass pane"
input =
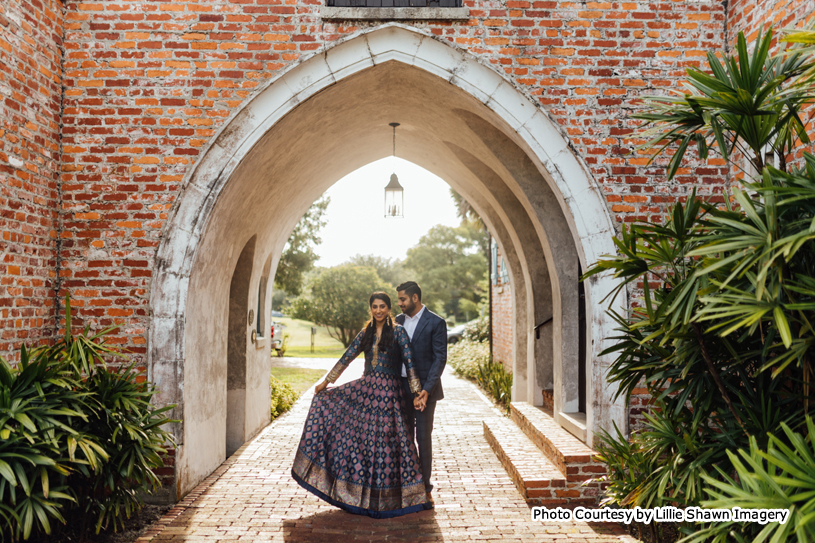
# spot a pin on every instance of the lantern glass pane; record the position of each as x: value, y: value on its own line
x: 394, y: 203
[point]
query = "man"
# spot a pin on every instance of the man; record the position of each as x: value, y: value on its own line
x: 428, y: 337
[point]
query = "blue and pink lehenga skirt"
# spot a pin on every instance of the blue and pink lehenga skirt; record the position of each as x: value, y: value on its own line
x: 356, y: 453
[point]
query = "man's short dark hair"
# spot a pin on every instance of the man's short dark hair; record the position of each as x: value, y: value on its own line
x: 410, y: 288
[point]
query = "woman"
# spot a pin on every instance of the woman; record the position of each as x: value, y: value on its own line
x: 355, y: 451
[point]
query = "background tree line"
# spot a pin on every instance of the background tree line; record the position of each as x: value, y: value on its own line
x: 450, y: 263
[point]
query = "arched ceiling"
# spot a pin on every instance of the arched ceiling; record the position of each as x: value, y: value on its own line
x: 345, y: 127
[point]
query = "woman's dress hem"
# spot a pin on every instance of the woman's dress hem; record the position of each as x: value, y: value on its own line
x: 359, y: 510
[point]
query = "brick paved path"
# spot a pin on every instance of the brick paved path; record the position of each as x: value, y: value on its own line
x: 252, y: 496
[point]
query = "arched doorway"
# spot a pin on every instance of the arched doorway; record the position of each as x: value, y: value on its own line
x: 238, y: 322
x: 326, y: 117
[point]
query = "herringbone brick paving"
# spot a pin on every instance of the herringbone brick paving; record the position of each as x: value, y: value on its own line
x: 252, y: 497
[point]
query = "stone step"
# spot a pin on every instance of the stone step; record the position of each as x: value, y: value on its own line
x: 573, y: 458
x: 537, y: 479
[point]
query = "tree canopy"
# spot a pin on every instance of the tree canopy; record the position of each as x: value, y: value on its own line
x: 299, y: 256
x: 468, y: 214
x: 338, y: 299
x: 451, y: 268
x: 391, y: 270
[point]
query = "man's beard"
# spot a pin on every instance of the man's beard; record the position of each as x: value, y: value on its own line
x: 409, y: 308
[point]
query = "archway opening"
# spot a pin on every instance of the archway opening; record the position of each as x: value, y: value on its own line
x: 311, y: 128
x: 239, y: 321
x: 433, y: 243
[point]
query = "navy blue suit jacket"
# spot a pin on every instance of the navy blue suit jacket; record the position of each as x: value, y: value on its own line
x: 429, y: 344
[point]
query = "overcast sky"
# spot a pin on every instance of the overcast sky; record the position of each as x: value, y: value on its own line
x: 356, y: 222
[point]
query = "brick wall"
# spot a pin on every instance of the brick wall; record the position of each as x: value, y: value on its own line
x: 502, y: 337
x: 746, y: 16
x: 749, y: 15
x: 30, y: 105
x: 149, y: 83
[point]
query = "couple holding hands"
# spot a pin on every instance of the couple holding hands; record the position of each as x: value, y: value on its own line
x: 367, y: 444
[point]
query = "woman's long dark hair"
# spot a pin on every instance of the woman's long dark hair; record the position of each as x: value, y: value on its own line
x: 386, y: 340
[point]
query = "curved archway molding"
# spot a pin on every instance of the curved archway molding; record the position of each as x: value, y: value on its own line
x: 579, y: 198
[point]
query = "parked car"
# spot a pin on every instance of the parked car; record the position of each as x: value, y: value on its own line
x: 276, y: 335
x: 455, y: 334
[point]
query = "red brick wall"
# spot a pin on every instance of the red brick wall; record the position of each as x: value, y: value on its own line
x: 749, y: 15
x: 746, y: 16
x: 149, y: 83
x: 30, y: 105
x: 502, y: 337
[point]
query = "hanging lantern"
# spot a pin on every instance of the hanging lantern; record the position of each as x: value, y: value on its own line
x: 394, y: 198
x: 394, y: 193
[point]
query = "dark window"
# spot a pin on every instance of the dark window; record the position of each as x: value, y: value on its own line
x: 581, y: 346
x: 394, y: 3
x: 494, y: 262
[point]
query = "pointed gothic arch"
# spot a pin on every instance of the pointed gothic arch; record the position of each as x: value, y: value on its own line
x: 276, y: 154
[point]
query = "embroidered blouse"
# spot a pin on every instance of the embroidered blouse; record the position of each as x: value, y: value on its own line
x: 388, y: 362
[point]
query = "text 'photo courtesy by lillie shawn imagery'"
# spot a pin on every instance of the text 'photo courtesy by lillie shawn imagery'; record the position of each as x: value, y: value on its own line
x: 660, y: 514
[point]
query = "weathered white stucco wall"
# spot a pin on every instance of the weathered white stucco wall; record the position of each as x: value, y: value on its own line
x: 323, y: 119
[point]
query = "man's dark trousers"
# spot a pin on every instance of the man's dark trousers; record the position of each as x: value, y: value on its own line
x: 423, y: 436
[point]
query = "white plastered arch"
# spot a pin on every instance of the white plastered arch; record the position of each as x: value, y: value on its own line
x: 580, y: 199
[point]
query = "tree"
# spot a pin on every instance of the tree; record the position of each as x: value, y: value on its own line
x: 338, y: 299
x: 280, y: 299
x: 724, y: 338
x: 464, y: 210
x: 391, y: 271
x: 449, y: 267
x: 298, y: 255
x: 467, y: 213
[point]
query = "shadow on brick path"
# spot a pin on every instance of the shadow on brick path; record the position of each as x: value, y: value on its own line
x: 252, y: 496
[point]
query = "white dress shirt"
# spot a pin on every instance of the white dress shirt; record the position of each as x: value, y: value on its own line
x: 410, y: 327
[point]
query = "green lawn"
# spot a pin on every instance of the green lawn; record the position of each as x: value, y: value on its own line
x: 299, y: 345
x: 300, y: 379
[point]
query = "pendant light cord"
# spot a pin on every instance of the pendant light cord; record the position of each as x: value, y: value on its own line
x: 394, y: 141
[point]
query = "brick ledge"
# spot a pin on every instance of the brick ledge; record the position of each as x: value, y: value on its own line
x: 412, y: 14
x: 538, y: 481
x: 572, y: 457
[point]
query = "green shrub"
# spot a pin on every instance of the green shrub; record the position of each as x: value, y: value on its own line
x: 471, y: 359
x: 284, y: 345
x: 627, y: 465
x: 782, y: 476
x: 478, y: 330
x: 722, y: 338
x: 128, y: 427
x: 466, y: 356
x: 37, y: 398
x: 639, y: 473
x: 77, y: 439
x: 496, y: 380
x: 283, y: 396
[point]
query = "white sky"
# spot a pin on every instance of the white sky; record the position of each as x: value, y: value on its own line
x: 355, y: 217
